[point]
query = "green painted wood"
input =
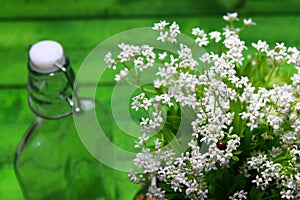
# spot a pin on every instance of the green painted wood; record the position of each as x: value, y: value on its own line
x: 9, y: 188
x: 15, y: 118
x: 80, y: 37
x: 33, y: 9
x: 11, y: 9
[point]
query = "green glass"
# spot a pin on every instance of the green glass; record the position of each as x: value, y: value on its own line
x: 51, y: 162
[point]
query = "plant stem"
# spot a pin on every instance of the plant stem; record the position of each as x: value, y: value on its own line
x: 271, y: 74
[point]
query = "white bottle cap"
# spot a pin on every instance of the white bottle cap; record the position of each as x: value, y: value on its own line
x: 44, y: 55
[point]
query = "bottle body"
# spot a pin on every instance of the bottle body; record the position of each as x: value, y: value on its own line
x: 53, y: 164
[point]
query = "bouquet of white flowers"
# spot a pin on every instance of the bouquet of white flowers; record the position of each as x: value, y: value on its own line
x: 237, y: 108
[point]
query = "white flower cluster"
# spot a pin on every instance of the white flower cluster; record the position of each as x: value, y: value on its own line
x: 270, y: 172
x: 143, y: 57
x: 201, y: 39
x: 232, y: 114
x: 167, y: 34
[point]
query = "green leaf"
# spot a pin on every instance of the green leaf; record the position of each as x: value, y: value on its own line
x: 165, y: 187
x: 237, y: 182
x: 235, y: 158
x: 212, y: 188
x: 256, y: 194
x: 237, y: 152
x: 247, y: 69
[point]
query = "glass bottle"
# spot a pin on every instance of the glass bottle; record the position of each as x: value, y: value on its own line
x: 51, y: 162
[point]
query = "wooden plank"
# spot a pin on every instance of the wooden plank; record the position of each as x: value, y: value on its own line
x: 15, y: 118
x: 268, y: 7
x: 80, y: 37
x: 9, y: 188
x: 55, y: 9
x: 28, y: 9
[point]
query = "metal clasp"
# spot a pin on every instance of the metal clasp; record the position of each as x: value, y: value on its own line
x: 76, y: 106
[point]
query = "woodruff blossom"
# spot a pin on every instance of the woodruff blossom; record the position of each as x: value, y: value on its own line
x: 110, y: 61
x: 201, y: 37
x: 215, y: 35
x: 239, y: 124
x: 249, y: 22
x: 239, y: 195
x: 165, y: 35
x: 261, y: 46
x: 230, y: 17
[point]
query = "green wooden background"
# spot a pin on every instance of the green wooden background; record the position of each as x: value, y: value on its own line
x: 80, y: 25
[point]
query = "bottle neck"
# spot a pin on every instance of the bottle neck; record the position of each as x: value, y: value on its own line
x: 50, y: 93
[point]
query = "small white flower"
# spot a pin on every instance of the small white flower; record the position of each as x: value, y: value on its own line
x: 239, y: 195
x: 257, y: 181
x: 140, y: 101
x: 163, y: 36
x: 132, y: 176
x: 186, y: 58
x: 215, y: 35
x: 108, y: 57
x: 110, y: 61
x: 293, y: 55
x: 142, y: 140
x: 174, y: 29
x: 279, y: 53
x: 261, y: 46
x: 172, y: 38
x: 201, y: 36
x: 230, y: 17
x: 249, y: 22
x: 157, y: 144
x: 170, y: 34
x: 202, y: 41
x: 160, y: 26
x: 197, y: 32
x: 287, y: 194
x: 123, y: 73
x: 162, y: 56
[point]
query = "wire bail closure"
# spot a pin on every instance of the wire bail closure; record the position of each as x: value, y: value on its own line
x: 76, y: 106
